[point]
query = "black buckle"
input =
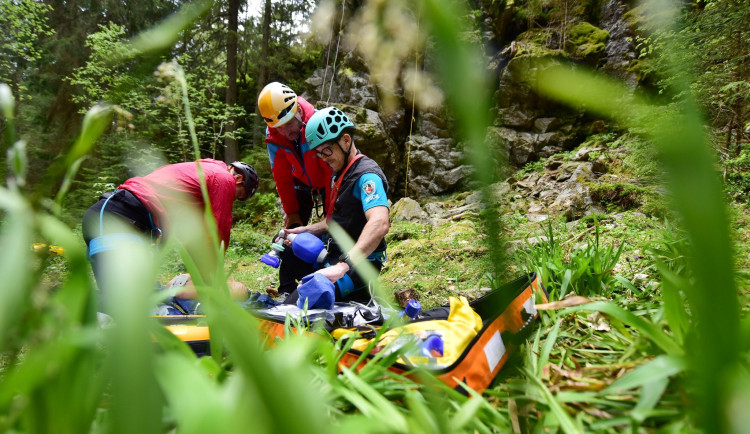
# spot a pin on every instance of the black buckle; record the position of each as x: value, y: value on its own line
x: 318, y: 204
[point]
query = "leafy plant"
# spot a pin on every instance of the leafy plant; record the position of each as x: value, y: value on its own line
x: 585, y: 270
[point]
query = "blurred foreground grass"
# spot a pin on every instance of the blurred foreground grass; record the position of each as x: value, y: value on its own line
x: 672, y: 356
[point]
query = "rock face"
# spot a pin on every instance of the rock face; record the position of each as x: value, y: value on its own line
x: 427, y: 158
x: 407, y: 209
x: 619, y: 51
x: 418, y: 151
x: 532, y: 127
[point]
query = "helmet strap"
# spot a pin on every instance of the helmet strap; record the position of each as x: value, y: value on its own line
x: 347, y: 152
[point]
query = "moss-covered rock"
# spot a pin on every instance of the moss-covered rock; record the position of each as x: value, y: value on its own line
x: 618, y: 196
x: 586, y: 41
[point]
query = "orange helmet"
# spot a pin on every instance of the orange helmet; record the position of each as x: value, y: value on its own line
x: 277, y: 104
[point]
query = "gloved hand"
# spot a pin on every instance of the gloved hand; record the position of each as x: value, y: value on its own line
x: 292, y: 220
x: 317, y: 291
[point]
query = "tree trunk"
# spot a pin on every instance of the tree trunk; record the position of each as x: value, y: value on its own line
x: 263, y: 63
x: 231, y: 150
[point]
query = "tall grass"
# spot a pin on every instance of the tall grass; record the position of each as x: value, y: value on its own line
x: 586, y: 270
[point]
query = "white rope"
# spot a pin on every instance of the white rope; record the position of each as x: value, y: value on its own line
x: 325, y: 73
x: 335, y: 57
x: 411, y: 122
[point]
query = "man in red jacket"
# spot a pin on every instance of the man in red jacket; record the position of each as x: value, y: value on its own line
x: 143, y: 209
x: 302, y: 179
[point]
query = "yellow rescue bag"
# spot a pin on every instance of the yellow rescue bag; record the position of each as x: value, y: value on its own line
x: 435, y: 343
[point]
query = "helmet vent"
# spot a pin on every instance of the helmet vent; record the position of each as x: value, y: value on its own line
x: 326, y: 126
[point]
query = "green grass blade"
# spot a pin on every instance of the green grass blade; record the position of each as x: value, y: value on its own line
x: 136, y: 400
x: 376, y: 403
x: 660, y: 368
x: 95, y: 122
x: 464, y: 79
x: 8, y: 111
x: 651, y: 393
x: 627, y: 284
x: 567, y: 424
x: 422, y: 418
x: 208, y: 406
x: 467, y: 413
x: 567, y: 277
x: 647, y: 329
x: 15, y: 238
x: 549, y: 344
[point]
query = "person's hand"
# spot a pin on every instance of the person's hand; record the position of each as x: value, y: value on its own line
x: 292, y: 220
x: 295, y: 230
x: 334, y: 272
x: 186, y: 283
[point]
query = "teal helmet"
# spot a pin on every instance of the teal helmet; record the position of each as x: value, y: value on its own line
x: 326, y: 125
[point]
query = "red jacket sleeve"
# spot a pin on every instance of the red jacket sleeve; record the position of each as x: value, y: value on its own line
x: 282, y: 175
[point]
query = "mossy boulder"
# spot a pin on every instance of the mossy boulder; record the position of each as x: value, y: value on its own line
x: 586, y: 41
x: 618, y: 196
x: 408, y: 209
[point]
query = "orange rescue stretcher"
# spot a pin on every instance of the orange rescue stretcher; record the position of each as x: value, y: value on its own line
x: 481, y: 334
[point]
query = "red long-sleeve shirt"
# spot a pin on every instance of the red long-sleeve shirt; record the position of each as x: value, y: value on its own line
x: 174, y: 186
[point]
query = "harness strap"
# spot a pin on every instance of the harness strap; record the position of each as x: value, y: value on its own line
x: 380, y: 256
x: 109, y: 242
x: 104, y: 243
x: 336, y: 185
x: 101, y: 213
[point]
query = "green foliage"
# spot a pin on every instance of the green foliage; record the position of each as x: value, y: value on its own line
x: 22, y: 25
x: 156, y: 104
x: 586, y: 270
x: 714, y: 40
x: 530, y: 167
x: 100, y: 78
x: 262, y: 210
x: 534, y: 12
x: 737, y: 176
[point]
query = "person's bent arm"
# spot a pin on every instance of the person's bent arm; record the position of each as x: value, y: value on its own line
x: 376, y: 228
x: 282, y: 176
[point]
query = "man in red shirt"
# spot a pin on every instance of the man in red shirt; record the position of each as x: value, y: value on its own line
x: 303, y: 181
x: 143, y: 209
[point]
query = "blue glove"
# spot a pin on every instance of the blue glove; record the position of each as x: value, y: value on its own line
x: 317, y: 290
